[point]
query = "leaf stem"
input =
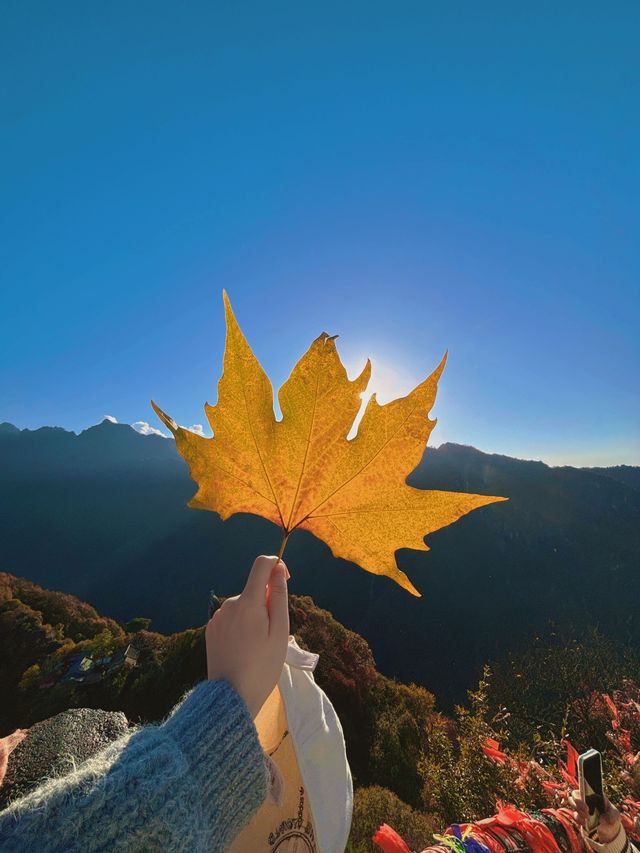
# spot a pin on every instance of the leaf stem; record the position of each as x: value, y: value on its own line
x: 283, y: 545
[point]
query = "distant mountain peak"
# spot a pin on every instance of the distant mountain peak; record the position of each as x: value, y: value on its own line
x: 105, y: 424
x: 8, y: 429
x: 470, y: 451
x: 109, y: 433
x: 110, y: 426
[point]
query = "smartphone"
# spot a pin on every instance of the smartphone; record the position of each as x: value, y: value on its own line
x: 591, y: 786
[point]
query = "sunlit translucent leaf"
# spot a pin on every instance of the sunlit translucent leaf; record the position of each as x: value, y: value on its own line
x: 302, y: 472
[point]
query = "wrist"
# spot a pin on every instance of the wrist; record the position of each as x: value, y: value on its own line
x: 616, y: 844
x: 252, y: 703
x: 609, y: 832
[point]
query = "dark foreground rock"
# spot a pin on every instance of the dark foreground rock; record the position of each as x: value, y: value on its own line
x: 54, y: 746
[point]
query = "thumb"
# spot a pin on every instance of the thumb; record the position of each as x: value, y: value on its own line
x: 278, y: 601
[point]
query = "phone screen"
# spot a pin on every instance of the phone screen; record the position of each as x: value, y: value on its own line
x: 593, y: 789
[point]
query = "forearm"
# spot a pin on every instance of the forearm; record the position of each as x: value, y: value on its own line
x: 188, y: 784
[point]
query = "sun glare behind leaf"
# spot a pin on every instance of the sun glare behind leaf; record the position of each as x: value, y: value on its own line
x: 388, y: 382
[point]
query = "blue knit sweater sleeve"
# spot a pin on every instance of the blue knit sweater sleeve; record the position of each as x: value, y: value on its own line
x: 189, y: 784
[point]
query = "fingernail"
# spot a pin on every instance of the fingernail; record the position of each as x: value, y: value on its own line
x: 286, y: 570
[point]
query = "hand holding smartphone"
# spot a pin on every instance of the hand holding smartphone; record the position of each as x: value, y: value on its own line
x: 591, y: 787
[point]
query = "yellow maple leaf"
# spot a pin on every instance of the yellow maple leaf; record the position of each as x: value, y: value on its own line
x: 303, y: 472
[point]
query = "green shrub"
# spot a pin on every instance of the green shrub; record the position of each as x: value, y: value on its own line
x: 139, y: 623
x: 459, y: 782
x: 374, y: 806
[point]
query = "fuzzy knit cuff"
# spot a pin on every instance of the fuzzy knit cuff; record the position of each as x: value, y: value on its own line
x: 619, y: 844
x: 217, y: 736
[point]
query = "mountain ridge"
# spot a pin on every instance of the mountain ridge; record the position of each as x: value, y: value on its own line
x: 103, y: 515
x: 630, y: 471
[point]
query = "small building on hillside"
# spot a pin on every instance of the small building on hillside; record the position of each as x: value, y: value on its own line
x: 78, y: 667
x: 128, y: 657
x: 131, y: 655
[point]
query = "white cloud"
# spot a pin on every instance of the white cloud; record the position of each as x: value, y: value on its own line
x: 146, y: 429
x: 197, y: 428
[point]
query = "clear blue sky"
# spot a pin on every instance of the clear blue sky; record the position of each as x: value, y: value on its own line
x: 414, y: 176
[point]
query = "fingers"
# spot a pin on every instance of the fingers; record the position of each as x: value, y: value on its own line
x: 581, y: 808
x: 255, y: 588
x: 576, y: 800
x: 278, y: 602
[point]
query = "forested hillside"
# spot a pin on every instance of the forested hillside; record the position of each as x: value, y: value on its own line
x: 413, y: 766
x: 44, y: 633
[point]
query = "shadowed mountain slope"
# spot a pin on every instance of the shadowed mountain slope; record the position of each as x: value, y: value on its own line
x: 103, y: 515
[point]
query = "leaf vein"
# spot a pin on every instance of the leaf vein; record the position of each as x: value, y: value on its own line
x: 366, y: 465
